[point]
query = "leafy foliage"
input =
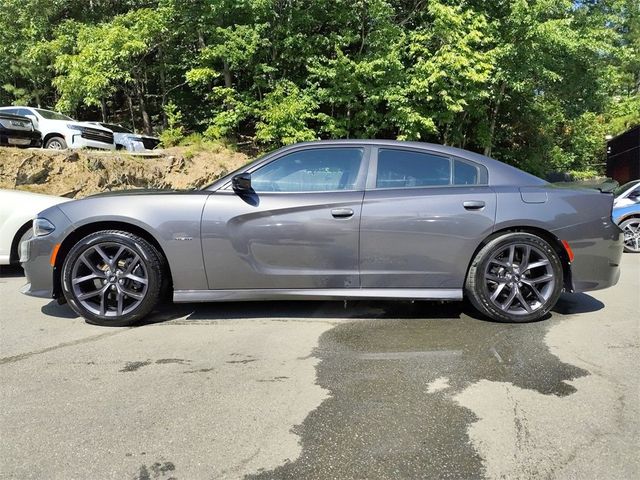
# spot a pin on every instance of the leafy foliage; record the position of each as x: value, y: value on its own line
x: 537, y: 83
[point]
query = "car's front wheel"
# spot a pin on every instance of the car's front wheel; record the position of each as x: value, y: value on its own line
x: 112, y: 278
x: 516, y: 277
x: 56, y: 143
x: 631, y: 230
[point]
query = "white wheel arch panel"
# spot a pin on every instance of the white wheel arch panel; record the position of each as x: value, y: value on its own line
x: 16, y: 209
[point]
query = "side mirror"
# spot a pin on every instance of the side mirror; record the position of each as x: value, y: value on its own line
x: 241, y: 182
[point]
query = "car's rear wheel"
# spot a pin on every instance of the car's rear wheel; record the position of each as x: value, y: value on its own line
x: 516, y: 277
x: 631, y: 230
x: 112, y: 278
x: 56, y: 143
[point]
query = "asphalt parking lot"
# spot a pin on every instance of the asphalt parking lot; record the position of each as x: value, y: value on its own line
x: 316, y: 390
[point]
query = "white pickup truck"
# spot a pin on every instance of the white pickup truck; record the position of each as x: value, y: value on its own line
x: 60, y: 132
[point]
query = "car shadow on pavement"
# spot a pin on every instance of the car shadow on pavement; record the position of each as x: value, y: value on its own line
x: 574, y: 303
x: 568, y: 304
x: 11, y: 271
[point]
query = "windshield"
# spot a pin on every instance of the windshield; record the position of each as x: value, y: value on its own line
x: 49, y: 115
x: 623, y: 188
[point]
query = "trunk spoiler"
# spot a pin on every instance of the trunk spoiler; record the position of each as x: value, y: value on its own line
x: 605, y: 187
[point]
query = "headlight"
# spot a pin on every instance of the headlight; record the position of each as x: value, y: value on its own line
x: 42, y: 226
x: 73, y: 126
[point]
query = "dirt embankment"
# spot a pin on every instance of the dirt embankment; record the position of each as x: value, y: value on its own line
x: 76, y: 174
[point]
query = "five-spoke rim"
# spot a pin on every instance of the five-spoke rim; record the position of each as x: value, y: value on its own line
x: 631, y: 232
x: 109, y: 279
x: 519, y: 279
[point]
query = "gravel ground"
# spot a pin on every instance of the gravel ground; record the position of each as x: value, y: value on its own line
x: 316, y: 390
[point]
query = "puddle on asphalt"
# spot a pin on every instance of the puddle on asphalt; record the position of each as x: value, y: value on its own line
x: 391, y: 412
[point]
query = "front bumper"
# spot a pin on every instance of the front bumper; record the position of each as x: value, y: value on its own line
x: 20, y: 138
x: 77, y: 141
x: 35, y: 257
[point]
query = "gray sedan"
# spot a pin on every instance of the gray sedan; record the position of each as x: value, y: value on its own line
x: 332, y: 220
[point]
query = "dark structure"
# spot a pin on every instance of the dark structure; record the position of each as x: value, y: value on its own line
x: 623, y: 156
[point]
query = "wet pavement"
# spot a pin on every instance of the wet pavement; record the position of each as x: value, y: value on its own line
x: 383, y: 421
x: 294, y: 390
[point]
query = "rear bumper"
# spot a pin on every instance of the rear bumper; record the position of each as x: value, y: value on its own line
x: 596, y: 264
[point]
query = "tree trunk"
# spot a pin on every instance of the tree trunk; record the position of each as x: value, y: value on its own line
x: 133, y: 118
x: 146, y: 122
x: 494, y: 117
x: 163, y: 86
x: 227, y: 74
x: 103, y: 108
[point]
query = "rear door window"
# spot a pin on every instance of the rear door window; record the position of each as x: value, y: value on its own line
x: 405, y: 168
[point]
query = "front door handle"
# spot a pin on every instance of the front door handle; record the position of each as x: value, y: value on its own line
x: 473, y: 204
x: 342, y: 212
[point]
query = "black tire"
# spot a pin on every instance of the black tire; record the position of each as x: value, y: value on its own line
x: 112, y: 308
x: 56, y: 143
x: 480, y: 288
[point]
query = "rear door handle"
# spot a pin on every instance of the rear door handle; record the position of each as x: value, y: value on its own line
x: 473, y: 204
x: 342, y: 212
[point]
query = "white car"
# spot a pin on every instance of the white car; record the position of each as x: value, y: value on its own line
x: 60, y: 132
x: 127, y: 140
x: 17, y: 210
x: 627, y: 194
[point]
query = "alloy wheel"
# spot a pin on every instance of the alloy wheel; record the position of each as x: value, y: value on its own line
x: 519, y: 279
x: 109, y: 279
x: 631, y: 230
x: 54, y: 145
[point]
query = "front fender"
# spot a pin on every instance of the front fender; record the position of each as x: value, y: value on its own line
x: 173, y: 220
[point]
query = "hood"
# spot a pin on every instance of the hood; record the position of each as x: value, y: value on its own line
x: 142, y: 191
x: 87, y: 125
x: 135, y: 135
x: 17, y: 118
x: 11, y: 116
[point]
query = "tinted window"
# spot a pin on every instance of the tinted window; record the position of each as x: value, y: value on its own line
x: 315, y: 170
x: 403, y: 168
x: 464, y: 173
x: 24, y: 111
x: 12, y: 111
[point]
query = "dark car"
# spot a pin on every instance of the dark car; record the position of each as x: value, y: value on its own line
x: 18, y: 131
x: 332, y: 220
